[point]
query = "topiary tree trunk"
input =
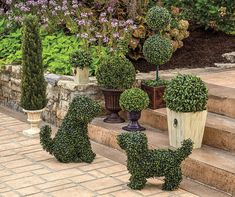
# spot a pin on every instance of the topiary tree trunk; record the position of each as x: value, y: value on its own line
x: 33, y: 84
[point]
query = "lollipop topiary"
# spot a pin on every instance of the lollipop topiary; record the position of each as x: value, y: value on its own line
x: 158, y: 18
x: 133, y: 101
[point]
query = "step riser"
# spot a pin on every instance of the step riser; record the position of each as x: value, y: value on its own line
x: 224, y: 106
x: 191, y: 168
x: 212, y: 136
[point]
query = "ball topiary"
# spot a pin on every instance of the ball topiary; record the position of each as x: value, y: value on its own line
x: 80, y: 59
x: 116, y: 72
x: 186, y: 93
x: 134, y: 100
x: 158, y: 18
x: 33, y: 84
x: 157, y: 49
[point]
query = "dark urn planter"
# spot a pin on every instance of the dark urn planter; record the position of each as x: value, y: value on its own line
x: 155, y: 94
x: 111, y: 97
x: 133, y: 125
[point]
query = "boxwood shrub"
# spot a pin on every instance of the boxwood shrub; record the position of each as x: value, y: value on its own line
x: 81, y: 59
x: 134, y: 100
x: 116, y: 72
x: 186, y: 93
x: 157, y: 49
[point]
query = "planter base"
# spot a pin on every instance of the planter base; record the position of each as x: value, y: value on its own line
x: 114, y: 118
x: 133, y: 124
x: 133, y: 128
x: 31, y: 132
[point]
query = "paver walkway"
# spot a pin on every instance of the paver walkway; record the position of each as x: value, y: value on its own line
x: 27, y: 170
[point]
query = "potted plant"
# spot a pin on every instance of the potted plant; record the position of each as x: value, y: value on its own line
x: 186, y: 99
x: 133, y: 101
x: 81, y: 61
x: 33, y: 85
x: 114, y: 75
x: 157, y: 50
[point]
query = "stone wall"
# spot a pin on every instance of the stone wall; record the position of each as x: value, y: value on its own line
x: 60, y: 92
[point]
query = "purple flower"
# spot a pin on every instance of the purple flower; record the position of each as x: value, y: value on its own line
x: 105, y: 39
x: 103, y: 20
x: 110, y: 9
x: 129, y: 22
x: 114, y: 23
x: 92, y: 39
x: 98, y: 35
x: 84, y: 15
x: 8, y: 2
x: 84, y: 35
x: 116, y: 35
x: 81, y: 22
x: 103, y: 14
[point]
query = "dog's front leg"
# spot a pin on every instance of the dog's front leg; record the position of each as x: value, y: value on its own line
x: 137, y: 182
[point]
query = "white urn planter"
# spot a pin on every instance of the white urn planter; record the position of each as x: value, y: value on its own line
x: 81, y: 75
x: 186, y: 125
x: 34, y: 118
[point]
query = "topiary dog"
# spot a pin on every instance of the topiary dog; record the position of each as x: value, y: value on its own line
x: 71, y: 142
x: 143, y: 163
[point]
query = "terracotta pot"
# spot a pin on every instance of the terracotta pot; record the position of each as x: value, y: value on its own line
x: 34, y: 118
x: 81, y: 75
x: 186, y: 125
x: 111, y: 97
x: 133, y: 125
x: 155, y: 96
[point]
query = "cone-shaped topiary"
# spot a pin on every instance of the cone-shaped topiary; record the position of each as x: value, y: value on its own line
x: 158, y: 18
x: 33, y: 84
x: 157, y: 50
x: 186, y: 93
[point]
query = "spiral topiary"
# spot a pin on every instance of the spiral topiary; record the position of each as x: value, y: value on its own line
x: 33, y: 84
x: 134, y: 100
x: 116, y: 72
x: 80, y: 59
x: 158, y: 18
x: 186, y: 93
x: 157, y: 49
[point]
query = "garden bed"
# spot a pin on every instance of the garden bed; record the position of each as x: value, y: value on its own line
x: 201, y: 49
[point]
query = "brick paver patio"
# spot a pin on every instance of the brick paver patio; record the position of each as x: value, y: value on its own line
x: 27, y: 170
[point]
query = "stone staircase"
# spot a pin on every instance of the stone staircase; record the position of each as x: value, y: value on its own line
x: 230, y: 58
x: 214, y: 163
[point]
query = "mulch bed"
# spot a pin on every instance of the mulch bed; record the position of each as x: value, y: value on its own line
x: 201, y: 49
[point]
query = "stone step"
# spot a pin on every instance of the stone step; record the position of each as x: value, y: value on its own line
x: 222, y: 99
x: 229, y: 56
x: 208, y: 165
x: 225, y: 65
x: 219, y: 130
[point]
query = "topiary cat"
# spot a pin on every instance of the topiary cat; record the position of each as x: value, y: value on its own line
x: 71, y: 142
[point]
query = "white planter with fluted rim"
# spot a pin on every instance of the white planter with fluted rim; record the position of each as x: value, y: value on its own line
x: 81, y: 75
x: 34, y: 118
x: 186, y: 125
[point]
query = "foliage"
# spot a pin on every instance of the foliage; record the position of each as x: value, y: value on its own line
x: 116, y: 72
x: 158, y: 18
x: 157, y: 50
x: 154, y: 83
x: 134, y: 100
x: 80, y: 59
x: 217, y: 14
x: 186, y: 93
x: 33, y: 84
x: 71, y: 142
x: 143, y: 163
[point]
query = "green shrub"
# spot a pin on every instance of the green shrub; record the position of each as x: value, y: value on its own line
x: 158, y: 18
x: 116, y: 72
x: 154, y: 83
x: 134, y: 100
x: 186, y: 93
x: 80, y: 59
x: 157, y: 50
x: 71, y: 142
x: 33, y: 85
x: 216, y: 14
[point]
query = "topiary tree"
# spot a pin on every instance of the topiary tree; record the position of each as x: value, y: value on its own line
x: 157, y: 49
x: 186, y: 93
x: 33, y: 84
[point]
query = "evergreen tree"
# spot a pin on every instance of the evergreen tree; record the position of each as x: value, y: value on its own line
x: 33, y: 84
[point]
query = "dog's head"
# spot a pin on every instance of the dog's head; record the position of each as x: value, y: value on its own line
x: 83, y: 109
x: 133, y: 143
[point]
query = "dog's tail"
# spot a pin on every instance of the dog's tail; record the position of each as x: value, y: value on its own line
x: 45, y: 139
x: 184, y: 151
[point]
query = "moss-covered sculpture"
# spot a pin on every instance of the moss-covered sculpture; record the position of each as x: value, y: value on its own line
x: 71, y: 142
x: 143, y: 163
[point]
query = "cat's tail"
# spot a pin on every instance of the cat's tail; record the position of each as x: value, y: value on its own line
x: 45, y: 139
x: 184, y: 151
